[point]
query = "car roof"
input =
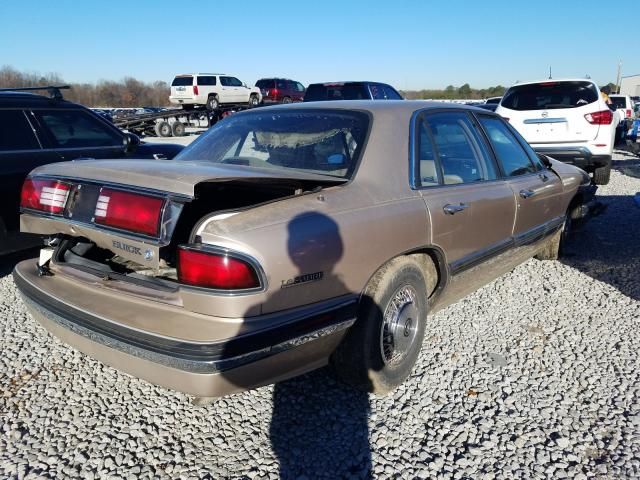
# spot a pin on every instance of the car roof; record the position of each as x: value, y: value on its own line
x: 373, y: 106
x: 28, y: 100
x: 196, y: 74
x: 554, y: 80
x: 344, y: 82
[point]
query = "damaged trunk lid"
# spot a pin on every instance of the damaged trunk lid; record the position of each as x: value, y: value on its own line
x: 140, y: 209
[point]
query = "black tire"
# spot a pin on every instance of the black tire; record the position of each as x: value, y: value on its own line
x: 381, y: 348
x: 162, y: 129
x: 178, y: 129
x: 556, y: 246
x: 212, y: 103
x: 286, y: 100
x: 253, y: 101
x: 602, y: 175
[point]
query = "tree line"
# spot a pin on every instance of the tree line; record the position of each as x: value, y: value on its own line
x: 451, y: 93
x: 128, y: 92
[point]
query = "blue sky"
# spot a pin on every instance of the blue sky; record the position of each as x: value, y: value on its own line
x: 410, y: 44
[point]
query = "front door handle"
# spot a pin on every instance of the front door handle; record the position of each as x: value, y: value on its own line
x: 543, y: 177
x: 526, y: 193
x: 451, y: 209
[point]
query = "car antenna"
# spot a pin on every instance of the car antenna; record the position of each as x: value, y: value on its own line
x: 550, y: 72
x: 52, y: 90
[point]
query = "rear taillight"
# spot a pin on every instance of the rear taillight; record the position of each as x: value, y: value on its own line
x: 628, y: 113
x: 195, y: 90
x: 216, y: 270
x: 604, y: 117
x: 45, y: 195
x: 129, y: 211
x: 274, y: 92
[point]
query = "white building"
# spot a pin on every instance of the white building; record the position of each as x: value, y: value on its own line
x: 630, y: 85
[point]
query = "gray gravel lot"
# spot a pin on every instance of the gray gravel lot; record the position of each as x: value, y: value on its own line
x: 534, y: 376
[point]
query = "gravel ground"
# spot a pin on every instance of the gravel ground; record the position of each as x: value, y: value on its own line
x: 534, y: 376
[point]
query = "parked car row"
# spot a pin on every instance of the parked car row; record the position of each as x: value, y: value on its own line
x: 213, y: 90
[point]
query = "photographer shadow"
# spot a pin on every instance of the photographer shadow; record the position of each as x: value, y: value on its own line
x: 319, y: 426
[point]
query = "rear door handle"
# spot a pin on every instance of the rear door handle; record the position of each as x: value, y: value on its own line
x: 526, y: 193
x: 451, y: 209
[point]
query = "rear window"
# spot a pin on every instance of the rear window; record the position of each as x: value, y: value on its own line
x: 326, y: 142
x: 264, y: 83
x: 550, y: 95
x: 208, y: 80
x: 349, y: 91
x: 619, y: 102
x: 16, y: 133
x: 182, y: 81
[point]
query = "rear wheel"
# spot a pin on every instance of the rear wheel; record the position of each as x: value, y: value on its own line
x: 212, y: 103
x: 286, y: 100
x: 178, y: 129
x: 163, y: 129
x: 602, y: 175
x: 380, y: 350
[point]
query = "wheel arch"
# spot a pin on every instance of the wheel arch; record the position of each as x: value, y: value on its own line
x: 430, y: 253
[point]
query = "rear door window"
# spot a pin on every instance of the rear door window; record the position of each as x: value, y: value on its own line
x: 16, y: 132
x: 76, y: 129
x: 182, y: 81
x: 550, y: 95
x: 206, y: 80
x: 377, y: 93
x: 510, y: 153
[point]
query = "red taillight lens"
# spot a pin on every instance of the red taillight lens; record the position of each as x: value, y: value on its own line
x: 215, y: 270
x: 628, y: 113
x: 45, y: 195
x: 274, y: 92
x: 129, y: 211
x: 195, y: 90
x: 604, y: 117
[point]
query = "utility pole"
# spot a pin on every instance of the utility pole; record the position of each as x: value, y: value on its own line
x: 619, y: 78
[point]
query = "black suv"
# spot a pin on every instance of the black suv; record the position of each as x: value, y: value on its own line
x: 351, y: 91
x: 36, y: 130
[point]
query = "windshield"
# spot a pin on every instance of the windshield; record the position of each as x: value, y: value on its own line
x: 326, y: 142
x: 550, y: 95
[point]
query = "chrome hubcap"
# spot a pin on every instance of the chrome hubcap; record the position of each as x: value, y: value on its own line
x: 399, y: 326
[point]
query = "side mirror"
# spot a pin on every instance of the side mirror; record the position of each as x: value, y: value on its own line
x: 131, y: 142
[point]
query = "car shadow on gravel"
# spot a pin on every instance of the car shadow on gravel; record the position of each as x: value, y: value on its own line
x: 319, y: 426
x: 607, y: 247
x: 9, y: 261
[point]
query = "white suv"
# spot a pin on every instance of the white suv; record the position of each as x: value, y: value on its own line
x: 565, y: 119
x: 212, y: 90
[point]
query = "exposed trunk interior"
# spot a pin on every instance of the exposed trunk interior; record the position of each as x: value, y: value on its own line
x: 210, y: 198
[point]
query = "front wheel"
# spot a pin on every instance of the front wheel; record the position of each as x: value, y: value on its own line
x: 253, y: 101
x: 602, y: 175
x: 380, y: 350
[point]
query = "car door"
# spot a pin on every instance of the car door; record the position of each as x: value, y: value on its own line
x: 471, y: 209
x: 20, y: 152
x: 240, y: 91
x: 77, y: 133
x: 536, y: 189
